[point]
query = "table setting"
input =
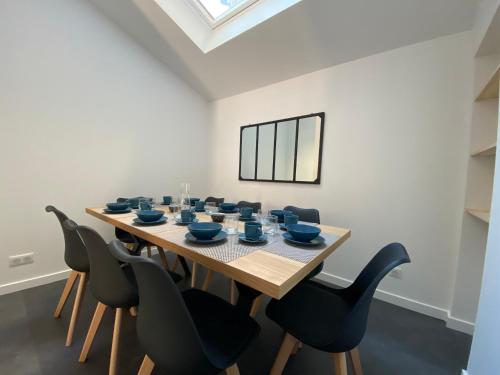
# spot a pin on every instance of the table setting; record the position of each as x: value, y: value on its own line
x: 267, y: 251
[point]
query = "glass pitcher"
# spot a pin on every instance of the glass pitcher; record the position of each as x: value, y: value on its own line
x: 184, y: 196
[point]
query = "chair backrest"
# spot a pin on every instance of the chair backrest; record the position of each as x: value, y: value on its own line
x: 165, y: 328
x: 256, y: 206
x: 108, y: 281
x: 75, y: 254
x: 360, y: 293
x: 311, y: 215
x: 217, y: 201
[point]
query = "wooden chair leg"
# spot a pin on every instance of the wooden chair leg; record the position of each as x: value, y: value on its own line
x: 340, y: 364
x: 133, y: 311
x: 113, y: 360
x: 233, y: 370
x: 255, y: 306
x: 148, y: 249
x: 76, y: 307
x: 286, y: 348
x: 232, y: 292
x: 176, y: 263
x: 194, y: 274
x: 296, y: 348
x: 356, y: 361
x: 163, y: 258
x: 94, y: 325
x: 65, y: 293
x: 208, y: 280
x: 146, y: 366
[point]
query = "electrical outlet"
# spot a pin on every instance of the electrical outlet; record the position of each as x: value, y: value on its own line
x: 397, y: 273
x: 19, y: 260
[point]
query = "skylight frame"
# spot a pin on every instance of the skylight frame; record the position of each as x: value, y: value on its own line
x: 224, y: 17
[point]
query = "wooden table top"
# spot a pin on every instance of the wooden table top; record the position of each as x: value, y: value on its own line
x: 264, y: 271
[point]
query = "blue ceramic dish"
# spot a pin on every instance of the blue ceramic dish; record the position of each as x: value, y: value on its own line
x: 126, y: 211
x: 218, y: 238
x: 204, y: 231
x: 180, y: 222
x: 227, y: 206
x: 262, y: 239
x: 280, y: 214
x: 161, y: 220
x: 314, y: 242
x: 193, y: 201
x: 150, y: 215
x: 303, y: 232
x: 117, y: 206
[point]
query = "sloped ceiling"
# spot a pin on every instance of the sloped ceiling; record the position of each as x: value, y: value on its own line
x: 309, y: 36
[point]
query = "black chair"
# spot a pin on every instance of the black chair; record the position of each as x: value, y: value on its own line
x: 192, y: 332
x: 310, y: 215
x: 76, y: 258
x: 332, y: 320
x: 256, y: 206
x: 111, y: 283
x: 217, y: 201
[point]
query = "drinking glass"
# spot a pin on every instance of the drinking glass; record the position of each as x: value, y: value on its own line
x: 260, y: 216
x: 184, y: 195
x: 270, y: 224
x: 210, y: 207
x: 231, y: 224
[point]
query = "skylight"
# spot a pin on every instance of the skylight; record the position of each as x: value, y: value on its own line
x: 219, y: 11
x: 211, y: 23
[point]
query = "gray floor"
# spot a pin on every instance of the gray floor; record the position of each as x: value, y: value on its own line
x: 398, y: 341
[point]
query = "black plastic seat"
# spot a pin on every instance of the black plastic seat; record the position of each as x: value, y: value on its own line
x: 328, y: 319
x: 215, y: 200
x: 76, y: 258
x: 256, y: 206
x: 75, y: 254
x: 311, y: 215
x: 112, y: 284
x: 192, y: 332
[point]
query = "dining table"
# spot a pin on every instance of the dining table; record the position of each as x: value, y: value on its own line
x: 271, y: 269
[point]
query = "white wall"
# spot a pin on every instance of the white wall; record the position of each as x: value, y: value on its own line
x: 393, y: 160
x: 86, y: 115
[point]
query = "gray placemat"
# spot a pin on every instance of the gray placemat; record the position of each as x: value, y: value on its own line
x: 280, y: 247
x: 225, y: 251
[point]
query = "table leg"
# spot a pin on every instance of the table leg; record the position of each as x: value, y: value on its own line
x: 246, y: 297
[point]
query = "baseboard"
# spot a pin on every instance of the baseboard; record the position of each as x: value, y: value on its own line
x: 459, y: 325
x: 16, y: 286
x: 407, y: 303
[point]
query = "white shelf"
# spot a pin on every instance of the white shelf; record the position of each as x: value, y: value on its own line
x: 490, y: 89
x: 486, y: 151
x: 483, y: 215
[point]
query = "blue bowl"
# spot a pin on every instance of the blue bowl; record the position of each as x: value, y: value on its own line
x: 117, y: 206
x: 204, y: 231
x: 303, y: 232
x: 149, y: 215
x: 227, y: 206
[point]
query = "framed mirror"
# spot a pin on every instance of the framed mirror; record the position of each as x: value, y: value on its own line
x: 287, y: 150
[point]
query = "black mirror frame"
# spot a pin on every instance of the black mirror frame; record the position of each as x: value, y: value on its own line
x: 317, y: 181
